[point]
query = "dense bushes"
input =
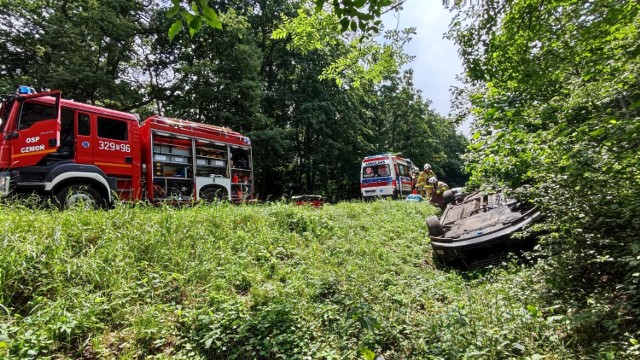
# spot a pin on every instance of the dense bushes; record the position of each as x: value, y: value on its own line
x: 556, y: 97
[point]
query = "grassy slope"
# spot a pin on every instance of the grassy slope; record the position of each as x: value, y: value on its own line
x: 273, y: 281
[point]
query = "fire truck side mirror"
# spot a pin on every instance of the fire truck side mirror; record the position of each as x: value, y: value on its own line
x: 11, y: 135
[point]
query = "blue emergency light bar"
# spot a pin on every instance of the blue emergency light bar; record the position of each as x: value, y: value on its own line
x: 25, y: 90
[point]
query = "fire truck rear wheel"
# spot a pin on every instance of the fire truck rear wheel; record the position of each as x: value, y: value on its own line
x: 79, y: 196
x: 213, y: 195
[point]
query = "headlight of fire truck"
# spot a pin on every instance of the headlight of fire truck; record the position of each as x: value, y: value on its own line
x: 4, y: 184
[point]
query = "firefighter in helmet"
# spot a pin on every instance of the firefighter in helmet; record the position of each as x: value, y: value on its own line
x: 438, y: 187
x: 423, y: 185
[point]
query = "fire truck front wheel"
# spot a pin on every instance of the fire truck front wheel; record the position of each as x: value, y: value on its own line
x: 79, y: 196
x: 215, y: 194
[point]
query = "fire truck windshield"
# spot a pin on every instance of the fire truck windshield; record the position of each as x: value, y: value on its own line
x: 4, y: 113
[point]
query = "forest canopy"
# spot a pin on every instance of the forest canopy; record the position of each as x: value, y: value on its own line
x: 313, y: 113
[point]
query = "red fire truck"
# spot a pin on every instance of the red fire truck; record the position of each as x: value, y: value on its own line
x: 76, y: 153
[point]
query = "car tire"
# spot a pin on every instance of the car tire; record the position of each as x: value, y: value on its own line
x: 434, y: 226
x: 79, y: 195
x: 449, y: 197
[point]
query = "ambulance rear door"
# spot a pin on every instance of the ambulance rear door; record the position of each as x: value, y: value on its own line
x: 376, y: 177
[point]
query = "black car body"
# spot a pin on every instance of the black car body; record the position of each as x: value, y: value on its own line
x: 478, y: 229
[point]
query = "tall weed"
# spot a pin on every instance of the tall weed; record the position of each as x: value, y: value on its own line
x: 274, y: 281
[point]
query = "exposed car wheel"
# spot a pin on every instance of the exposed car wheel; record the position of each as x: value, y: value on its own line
x: 434, y: 226
x: 211, y: 195
x: 448, y: 197
x: 79, y: 196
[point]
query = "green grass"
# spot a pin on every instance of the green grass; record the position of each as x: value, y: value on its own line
x: 268, y: 281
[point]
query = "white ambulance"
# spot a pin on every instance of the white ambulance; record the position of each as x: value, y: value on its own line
x: 385, y: 175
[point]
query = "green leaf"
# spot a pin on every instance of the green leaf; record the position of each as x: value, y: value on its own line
x: 195, y: 23
x: 344, y: 24
x: 187, y: 16
x: 175, y: 29
x: 211, y: 17
x: 533, y: 310
x: 173, y: 11
x: 597, y: 132
x: 359, y: 3
x: 367, y: 354
x: 279, y: 34
x: 4, y: 340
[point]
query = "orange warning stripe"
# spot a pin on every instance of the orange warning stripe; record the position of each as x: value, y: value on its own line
x: 112, y: 164
x: 35, y: 153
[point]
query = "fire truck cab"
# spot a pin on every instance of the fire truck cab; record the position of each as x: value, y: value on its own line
x: 79, y: 153
x: 385, y: 175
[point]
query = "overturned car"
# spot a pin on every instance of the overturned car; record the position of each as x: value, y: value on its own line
x: 478, y: 229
